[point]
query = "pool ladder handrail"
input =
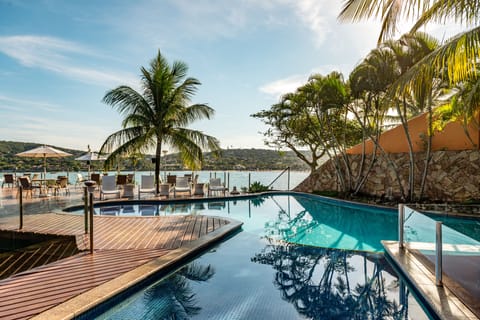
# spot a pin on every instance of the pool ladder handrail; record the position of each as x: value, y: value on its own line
x: 438, y: 242
x: 287, y: 169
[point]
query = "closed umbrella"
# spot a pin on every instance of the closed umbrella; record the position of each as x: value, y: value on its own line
x: 44, y: 152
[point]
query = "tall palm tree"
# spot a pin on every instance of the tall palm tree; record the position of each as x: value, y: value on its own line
x: 159, y: 115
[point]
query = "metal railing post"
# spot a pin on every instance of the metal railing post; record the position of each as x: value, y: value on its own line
x: 281, y: 174
x: 438, y: 254
x: 288, y: 181
x: 249, y: 177
x: 20, y: 193
x: 91, y: 222
x: 85, y: 207
x: 401, y: 218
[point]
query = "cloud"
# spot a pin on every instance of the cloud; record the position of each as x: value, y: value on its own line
x: 30, y: 127
x: 318, y: 16
x: 61, y: 57
x: 15, y: 104
x: 280, y: 87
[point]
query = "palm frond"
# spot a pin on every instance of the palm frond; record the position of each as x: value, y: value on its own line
x: 454, y: 61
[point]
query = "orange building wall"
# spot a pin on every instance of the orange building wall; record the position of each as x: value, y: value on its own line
x: 452, y: 137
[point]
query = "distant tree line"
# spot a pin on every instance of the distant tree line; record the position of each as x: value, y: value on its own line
x: 228, y: 159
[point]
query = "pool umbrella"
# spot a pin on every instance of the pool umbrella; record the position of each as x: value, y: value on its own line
x: 44, y: 152
x: 91, y: 156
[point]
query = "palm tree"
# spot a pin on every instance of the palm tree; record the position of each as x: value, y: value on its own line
x: 159, y: 115
x: 458, y: 55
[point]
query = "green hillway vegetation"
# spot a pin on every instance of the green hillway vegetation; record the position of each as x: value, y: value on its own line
x: 229, y: 159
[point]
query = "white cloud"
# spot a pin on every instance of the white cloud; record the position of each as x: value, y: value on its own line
x: 319, y: 16
x: 280, y: 87
x: 60, y: 57
x: 15, y: 104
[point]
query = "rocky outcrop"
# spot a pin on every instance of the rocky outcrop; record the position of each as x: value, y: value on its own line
x: 452, y: 176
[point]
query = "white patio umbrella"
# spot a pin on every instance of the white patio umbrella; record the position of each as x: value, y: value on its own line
x: 44, y: 152
x: 91, y: 156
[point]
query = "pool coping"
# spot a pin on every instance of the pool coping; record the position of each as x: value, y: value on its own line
x: 440, y: 299
x: 84, y: 302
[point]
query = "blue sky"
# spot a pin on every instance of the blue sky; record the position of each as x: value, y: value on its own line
x: 59, y: 58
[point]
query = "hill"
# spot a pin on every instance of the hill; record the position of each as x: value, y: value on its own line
x: 229, y: 159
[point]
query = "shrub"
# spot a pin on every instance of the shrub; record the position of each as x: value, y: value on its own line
x: 257, y: 187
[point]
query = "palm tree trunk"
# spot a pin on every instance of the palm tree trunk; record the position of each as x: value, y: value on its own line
x: 411, y: 172
x: 158, y: 152
x: 428, y: 151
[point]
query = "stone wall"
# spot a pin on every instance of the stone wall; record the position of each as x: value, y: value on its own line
x: 452, y: 176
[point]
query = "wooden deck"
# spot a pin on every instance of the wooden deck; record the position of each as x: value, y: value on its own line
x: 121, y: 244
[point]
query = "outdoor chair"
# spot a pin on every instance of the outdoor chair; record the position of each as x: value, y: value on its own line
x: 109, y: 187
x: 147, y: 185
x: 52, y: 185
x: 27, y: 186
x: 62, y: 183
x: 36, y: 179
x: 216, y: 185
x: 8, y: 179
x: 164, y: 190
x: 172, y: 179
x: 95, y: 177
x: 182, y: 185
x: 80, y: 180
x: 121, y: 180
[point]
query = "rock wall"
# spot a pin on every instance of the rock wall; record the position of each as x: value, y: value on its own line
x: 452, y: 176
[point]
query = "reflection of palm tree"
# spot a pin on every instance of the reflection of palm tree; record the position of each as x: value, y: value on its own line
x: 173, y: 298
x: 290, y: 228
x: 257, y: 202
x: 329, y: 294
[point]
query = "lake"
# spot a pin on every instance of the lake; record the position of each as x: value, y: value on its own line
x: 233, y: 178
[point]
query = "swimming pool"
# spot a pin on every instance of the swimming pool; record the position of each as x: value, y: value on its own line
x: 304, y: 219
x: 289, y: 262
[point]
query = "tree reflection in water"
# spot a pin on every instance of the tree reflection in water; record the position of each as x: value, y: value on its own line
x: 173, y: 298
x: 324, y: 283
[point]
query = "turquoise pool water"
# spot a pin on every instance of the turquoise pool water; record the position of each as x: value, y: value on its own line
x: 309, y: 220
x: 297, y: 257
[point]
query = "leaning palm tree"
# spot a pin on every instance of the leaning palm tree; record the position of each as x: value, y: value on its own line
x: 159, y: 116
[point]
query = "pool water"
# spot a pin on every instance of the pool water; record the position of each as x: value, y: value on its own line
x: 305, y: 220
x: 297, y: 257
x: 247, y: 277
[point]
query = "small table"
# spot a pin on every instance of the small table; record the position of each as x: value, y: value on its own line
x: 128, y: 190
x: 198, y: 189
x: 43, y: 185
x: 164, y: 189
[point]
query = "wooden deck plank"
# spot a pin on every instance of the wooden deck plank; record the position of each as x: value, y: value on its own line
x: 121, y: 244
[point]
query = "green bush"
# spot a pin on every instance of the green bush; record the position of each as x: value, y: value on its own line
x: 332, y: 193
x: 257, y: 187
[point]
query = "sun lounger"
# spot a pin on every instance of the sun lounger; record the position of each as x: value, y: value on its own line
x: 147, y: 185
x: 109, y: 187
x: 182, y: 185
x: 216, y: 185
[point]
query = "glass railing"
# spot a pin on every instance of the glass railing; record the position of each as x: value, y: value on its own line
x: 449, y: 245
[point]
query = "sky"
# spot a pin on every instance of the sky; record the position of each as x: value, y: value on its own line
x: 59, y: 58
